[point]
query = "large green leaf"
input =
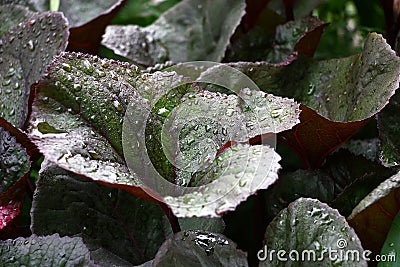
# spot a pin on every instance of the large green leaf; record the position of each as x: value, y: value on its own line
x: 338, y: 95
x: 199, y: 248
x: 25, y: 51
x: 45, y: 251
x: 106, y: 218
x: 75, y: 134
x: 191, y: 30
x: 310, y: 226
x: 373, y: 216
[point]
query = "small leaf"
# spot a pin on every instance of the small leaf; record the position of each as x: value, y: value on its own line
x: 191, y: 30
x: 199, y: 248
x: 300, y: 36
x: 373, y: 216
x: 338, y: 96
x: 25, y: 51
x: 45, y: 251
x: 106, y: 218
x: 312, y: 226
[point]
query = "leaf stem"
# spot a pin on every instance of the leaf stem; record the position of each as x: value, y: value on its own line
x: 173, y: 220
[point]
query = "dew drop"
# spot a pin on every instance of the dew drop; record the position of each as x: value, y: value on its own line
x: 88, y: 67
x: 31, y: 45
x: 77, y: 87
x: 6, y: 82
x: 117, y: 105
x: 66, y: 67
x: 100, y: 73
x: 275, y: 113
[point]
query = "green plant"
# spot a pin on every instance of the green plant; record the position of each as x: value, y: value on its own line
x: 114, y: 151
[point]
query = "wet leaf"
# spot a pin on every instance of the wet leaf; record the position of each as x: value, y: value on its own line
x: 16, y: 155
x: 300, y: 36
x: 228, y: 183
x: 343, y: 181
x: 191, y: 30
x: 97, y: 90
x: 106, y: 218
x: 47, y: 250
x: 373, y: 216
x: 338, y: 95
x: 189, y: 128
x: 25, y: 51
x: 309, y: 225
x: 11, y: 15
x: 201, y: 123
x: 78, y: 148
x: 274, y: 46
x: 199, y: 248
x: 388, y: 125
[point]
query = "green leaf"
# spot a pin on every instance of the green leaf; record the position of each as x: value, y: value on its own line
x: 300, y: 35
x: 142, y: 12
x: 229, y: 182
x: 11, y: 15
x: 45, y: 251
x: 339, y: 95
x: 388, y: 125
x: 391, y: 245
x: 14, y: 159
x: 16, y: 155
x: 191, y: 30
x: 107, y: 219
x: 373, y: 216
x: 77, y: 147
x: 343, y: 181
x: 78, y: 82
x: 97, y: 90
x: 199, y: 248
x: 25, y: 51
x: 312, y: 226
